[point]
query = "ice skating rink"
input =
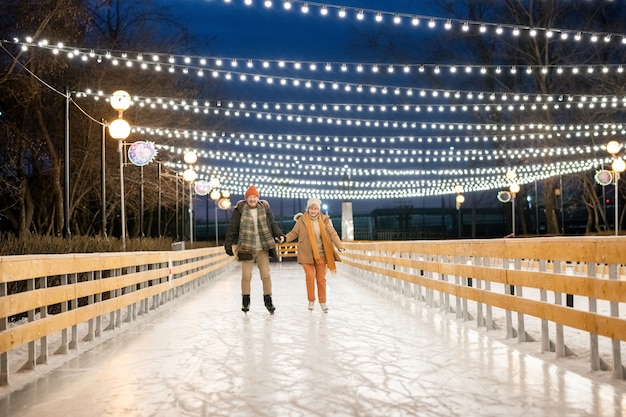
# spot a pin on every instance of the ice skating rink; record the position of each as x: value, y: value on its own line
x: 373, y: 354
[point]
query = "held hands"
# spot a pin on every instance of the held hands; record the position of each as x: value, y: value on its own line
x: 229, y: 251
x: 279, y: 239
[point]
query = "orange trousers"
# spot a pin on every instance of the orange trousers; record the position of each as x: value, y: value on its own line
x: 316, y: 273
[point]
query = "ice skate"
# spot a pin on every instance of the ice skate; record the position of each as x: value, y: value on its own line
x: 245, y: 303
x: 268, y: 303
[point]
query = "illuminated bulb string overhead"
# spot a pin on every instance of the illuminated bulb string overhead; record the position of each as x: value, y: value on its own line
x: 356, y: 148
x: 384, y: 158
x: 240, y: 109
x: 374, y: 89
x: 331, y: 189
x: 523, y: 101
x: 501, y: 130
x: 226, y: 65
x: 413, y: 20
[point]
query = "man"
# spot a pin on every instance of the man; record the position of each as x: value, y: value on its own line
x: 254, y: 231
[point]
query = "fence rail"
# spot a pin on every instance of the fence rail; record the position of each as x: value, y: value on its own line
x: 576, y: 283
x: 537, y: 278
x: 45, y: 294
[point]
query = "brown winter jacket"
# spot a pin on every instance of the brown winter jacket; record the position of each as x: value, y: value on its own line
x: 305, y: 251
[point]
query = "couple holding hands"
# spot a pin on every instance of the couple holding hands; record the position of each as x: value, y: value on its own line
x: 254, y: 231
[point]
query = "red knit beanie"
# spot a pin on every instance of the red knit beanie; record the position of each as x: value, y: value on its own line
x: 252, y: 191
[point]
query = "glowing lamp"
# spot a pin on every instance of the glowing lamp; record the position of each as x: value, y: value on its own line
x: 214, y: 182
x: 514, y: 188
x: 119, y: 129
x: 190, y: 175
x: 190, y: 158
x: 613, y: 147
x: 224, y: 203
x: 215, y: 195
x: 618, y: 165
x: 511, y: 175
x: 120, y: 100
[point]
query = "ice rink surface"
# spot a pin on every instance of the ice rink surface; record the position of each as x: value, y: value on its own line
x: 373, y: 354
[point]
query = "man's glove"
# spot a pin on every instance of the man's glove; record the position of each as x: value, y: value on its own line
x: 229, y: 251
x: 279, y: 239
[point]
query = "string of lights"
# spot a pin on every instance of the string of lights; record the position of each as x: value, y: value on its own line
x: 374, y: 89
x: 276, y: 184
x: 297, y: 165
x: 339, y: 145
x: 175, y: 62
x: 433, y: 22
x: 216, y: 109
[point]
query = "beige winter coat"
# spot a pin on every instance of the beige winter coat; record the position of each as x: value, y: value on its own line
x: 305, y: 251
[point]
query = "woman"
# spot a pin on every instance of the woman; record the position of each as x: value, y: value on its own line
x: 316, y: 236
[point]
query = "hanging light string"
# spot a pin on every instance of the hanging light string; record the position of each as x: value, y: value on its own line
x: 367, y: 148
x: 231, y: 106
x: 431, y: 125
x: 317, y: 166
x: 205, y: 107
x: 323, y: 84
x: 433, y: 22
x: 174, y: 62
x: 274, y: 184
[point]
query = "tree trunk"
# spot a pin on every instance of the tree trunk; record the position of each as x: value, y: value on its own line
x: 552, y: 221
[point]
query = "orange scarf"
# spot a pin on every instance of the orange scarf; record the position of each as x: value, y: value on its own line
x: 328, y: 247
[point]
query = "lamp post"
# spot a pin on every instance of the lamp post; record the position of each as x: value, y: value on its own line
x: 460, y: 199
x: 119, y: 129
x: 190, y: 176
x: 221, y: 199
x: 513, y: 189
x: 618, y: 166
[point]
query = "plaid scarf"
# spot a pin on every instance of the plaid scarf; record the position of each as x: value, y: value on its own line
x: 247, y: 236
x: 326, y: 243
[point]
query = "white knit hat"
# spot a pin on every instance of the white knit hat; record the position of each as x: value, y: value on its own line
x: 314, y: 201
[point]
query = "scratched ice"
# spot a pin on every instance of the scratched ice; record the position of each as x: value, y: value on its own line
x: 373, y: 354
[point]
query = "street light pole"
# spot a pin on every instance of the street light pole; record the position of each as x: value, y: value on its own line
x: 120, y: 149
x: 216, y: 230
x: 66, y: 193
x: 190, y: 176
x: 120, y: 129
x: 514, y: 189
x: 460, y: 199
x: 190, y: 215
x: 618, y: 166
x: 103, y: 179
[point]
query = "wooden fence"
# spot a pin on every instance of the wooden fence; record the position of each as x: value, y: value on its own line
x: 540, y: 278
x: 537, y: 277
x: 45, y: 294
